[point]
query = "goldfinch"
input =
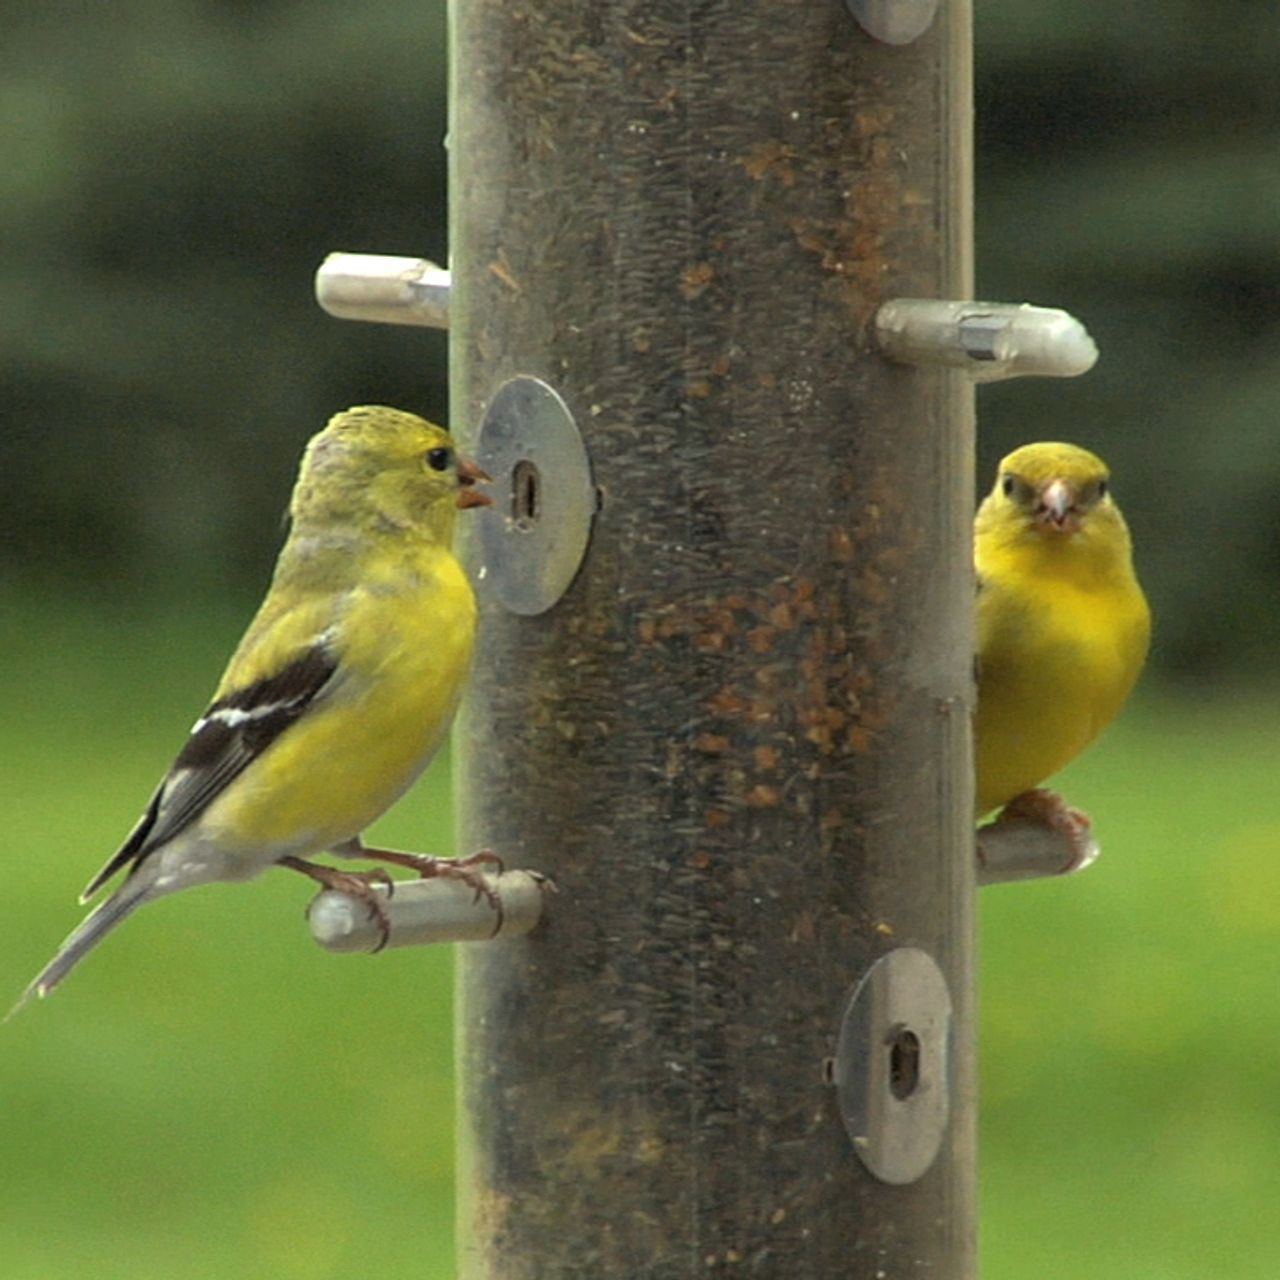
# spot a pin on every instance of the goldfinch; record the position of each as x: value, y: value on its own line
x: 339, y: 693
x: 1062, y: 625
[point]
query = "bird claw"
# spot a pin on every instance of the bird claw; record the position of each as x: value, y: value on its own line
x: 1044, y: 808
x: 355, y: 884
x: 467, y: 870
x: 428, y: 867
x: 461, y: 869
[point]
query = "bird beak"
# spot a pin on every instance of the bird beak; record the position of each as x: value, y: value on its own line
x: 1058, y: 508
x: 470, y: 475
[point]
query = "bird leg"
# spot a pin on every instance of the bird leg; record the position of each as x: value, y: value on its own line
x: 356, y: 884
x: 426, y: 866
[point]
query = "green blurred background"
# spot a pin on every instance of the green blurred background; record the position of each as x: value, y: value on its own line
x: 214, y: 1097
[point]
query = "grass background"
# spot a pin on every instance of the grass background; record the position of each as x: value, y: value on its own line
x: 212, y: 1096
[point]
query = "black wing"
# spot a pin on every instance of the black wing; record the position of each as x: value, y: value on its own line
x: 232, y: 733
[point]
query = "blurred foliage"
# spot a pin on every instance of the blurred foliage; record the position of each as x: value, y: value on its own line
x: 176, y: 169
x: 174, y: 172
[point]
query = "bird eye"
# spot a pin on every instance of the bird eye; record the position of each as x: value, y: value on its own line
x: 439, y: 459
x: 1008, y: 485
x: 1103, y: 487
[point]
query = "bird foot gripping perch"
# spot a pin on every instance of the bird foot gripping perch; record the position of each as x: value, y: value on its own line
x: 363, y: 886
x: 1036, y: 834
x: 468, y: 907
x: 429, y: 867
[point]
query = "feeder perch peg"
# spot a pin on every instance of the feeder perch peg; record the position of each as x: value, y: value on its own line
x: 894, y: 21
x: 384, y: 289
x: 1019, y: 847
x: 988, y: 340
x: 435, y: 910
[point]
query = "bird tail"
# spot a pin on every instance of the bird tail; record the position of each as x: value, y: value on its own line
x: 87, y: 934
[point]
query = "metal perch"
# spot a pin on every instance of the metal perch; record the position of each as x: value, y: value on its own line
x: 422, y: 911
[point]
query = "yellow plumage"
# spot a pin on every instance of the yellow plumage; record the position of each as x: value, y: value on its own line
x: 404, y: 654
x: 402, y: 634
x: 341, y: 689
x: 1062, y: 625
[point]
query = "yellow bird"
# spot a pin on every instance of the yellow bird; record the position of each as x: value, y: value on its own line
x: 337, y: 696
x: 1062, y: 625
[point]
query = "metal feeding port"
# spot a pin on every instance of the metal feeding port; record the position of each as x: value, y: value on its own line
x: 532, y: 546
x: 893, y: 1065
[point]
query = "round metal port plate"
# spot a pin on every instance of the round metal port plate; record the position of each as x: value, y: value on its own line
x: 533, y: 539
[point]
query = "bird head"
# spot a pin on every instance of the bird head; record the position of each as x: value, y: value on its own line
x: 1051, y: 510
x: 377, y: 463
x: 1052, y: 490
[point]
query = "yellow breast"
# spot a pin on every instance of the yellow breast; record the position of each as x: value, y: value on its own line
x: 404, y: 649
x: 1057, y: 660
